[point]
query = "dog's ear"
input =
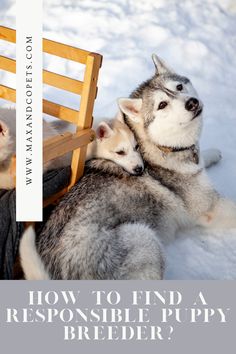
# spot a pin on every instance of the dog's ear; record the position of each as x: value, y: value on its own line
x: 120, y: 117
x: 160, y: 65
x: 103, y: 130
x: 131, y: 107
x: 3, y: 128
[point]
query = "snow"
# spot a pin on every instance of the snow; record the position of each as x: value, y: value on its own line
x: 198, y: 39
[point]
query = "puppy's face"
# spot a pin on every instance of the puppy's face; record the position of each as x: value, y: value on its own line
x: 117, y: 143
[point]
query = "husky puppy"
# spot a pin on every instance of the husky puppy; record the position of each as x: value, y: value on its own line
x: 114, y: 141
x: 110, y: 224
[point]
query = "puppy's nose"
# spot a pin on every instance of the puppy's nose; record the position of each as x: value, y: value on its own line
x: 192, y: 104
x: 138, y: 170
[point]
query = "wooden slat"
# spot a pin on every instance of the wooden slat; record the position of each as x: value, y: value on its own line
x: 7, y: 34
x: 59, y: 111
x: 93, y: 65
x: 60, y: 145
x: 90, y: 89
x: 51, y: 47
x: 13, y: 168
x: 57, y: 139
x: 7, y: 93
x: 49, y: 78
x: 65, y: 51
x: 7, y: 64
x: 62, y: 82
x: 53, y: 109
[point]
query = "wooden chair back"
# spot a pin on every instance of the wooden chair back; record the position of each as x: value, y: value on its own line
x: 82, y: 117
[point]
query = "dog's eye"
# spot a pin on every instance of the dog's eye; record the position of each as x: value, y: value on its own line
x: 179, y: 87
x: 120, y: 152
x: 136, y: 147
x: 162, y: 105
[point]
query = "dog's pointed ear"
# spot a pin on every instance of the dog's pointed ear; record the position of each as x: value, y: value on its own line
x: 131, y: 107
x: 103, y: 130
x: 160, y: 65
x: 3, y: 127
x: 120, y: 117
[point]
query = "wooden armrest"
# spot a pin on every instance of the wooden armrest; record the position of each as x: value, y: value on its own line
x: 60, y: 145
x: 13, y: 164
x: 13, y: 168
x: 67, y: 142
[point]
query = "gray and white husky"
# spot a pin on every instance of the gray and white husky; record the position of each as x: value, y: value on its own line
x: 111, y: 224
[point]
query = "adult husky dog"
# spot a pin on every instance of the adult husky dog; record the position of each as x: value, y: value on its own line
x: 109, y: 225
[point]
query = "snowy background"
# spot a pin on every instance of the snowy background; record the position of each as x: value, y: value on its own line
x: 198, y: 39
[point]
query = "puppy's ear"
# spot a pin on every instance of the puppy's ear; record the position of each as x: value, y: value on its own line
x: 3, y: 128
x: 103, y: 130
x: 131, y: 107
x: 120, y: 117
x: 160, y: 65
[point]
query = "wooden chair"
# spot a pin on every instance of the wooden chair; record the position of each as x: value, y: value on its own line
x: 82, y: 118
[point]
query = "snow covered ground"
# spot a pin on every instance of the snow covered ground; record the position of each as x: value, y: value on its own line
x: 198, y: 39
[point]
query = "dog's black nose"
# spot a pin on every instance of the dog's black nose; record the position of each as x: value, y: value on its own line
x: 192, y: 104
x: 138, y: 170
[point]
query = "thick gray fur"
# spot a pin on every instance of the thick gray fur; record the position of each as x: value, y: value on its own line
x: 111, y: 224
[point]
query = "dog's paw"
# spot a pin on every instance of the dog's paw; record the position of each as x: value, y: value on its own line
x: 216, y: 155
x: 211, y: 157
